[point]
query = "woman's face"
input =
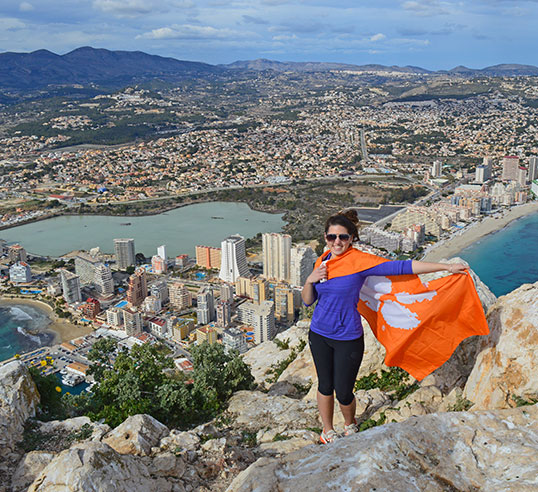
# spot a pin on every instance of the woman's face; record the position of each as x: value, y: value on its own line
x: 336, y: 240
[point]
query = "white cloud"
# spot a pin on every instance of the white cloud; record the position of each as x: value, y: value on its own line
x: 378, y: 37
x: 26, y: 7
x: 189, y: 31
x: 10, y: 24
x: 284, y: 37
x: 131, y: 8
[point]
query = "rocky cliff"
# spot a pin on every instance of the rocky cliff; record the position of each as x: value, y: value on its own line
x: 471, y: 425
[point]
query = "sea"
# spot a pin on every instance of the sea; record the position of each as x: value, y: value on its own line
x: 508, y: 258
x: 22, y: 329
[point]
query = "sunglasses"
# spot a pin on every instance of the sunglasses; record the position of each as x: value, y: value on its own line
x: 342, y: 237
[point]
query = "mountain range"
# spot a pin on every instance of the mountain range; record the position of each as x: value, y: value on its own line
x: 86, y: 65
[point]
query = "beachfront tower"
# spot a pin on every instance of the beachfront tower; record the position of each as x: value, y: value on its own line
x: 70, y: 286
x: 276, y: 256
x: 206, y: 305
x: 125, y: 253
x: 234, y: 259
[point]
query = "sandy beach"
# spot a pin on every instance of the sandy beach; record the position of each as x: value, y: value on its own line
x: 63, y: 329
x: 451, y: 247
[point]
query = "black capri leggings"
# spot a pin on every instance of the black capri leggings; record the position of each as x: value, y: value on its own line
x: 337, y: 364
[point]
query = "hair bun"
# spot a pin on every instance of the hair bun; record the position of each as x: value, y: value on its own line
x: 350, y: 214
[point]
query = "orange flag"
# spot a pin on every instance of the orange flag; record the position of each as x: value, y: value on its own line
x: 419, y: 324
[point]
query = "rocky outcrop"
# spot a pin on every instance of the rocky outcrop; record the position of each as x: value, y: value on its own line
x: 96, y: 467
x: 263, y: 356
x: 507, y: 364
x: 18, y: 402
x: 137, y: 435
x: 29, y: 468
x: 74, y: 425
x: 254, y: 410
x: 439, y: 452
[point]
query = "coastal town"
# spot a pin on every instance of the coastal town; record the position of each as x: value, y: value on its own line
x: 452, y: 167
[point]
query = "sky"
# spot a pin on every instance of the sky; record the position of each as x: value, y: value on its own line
x: 432, y: 34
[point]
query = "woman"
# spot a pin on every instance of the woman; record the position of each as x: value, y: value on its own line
x: 336, y: 336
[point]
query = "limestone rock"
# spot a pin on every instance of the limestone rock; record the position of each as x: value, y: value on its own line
x: 438, y: 452
x: 283, y: 388
x: 422, y: 402
x: 301, y: 371
x: 136, y: 435
x: 95, y: 467
x: 263, y: 356
x: 286, y: 446
x: 19, y: 399
x: 255, y: 410
x: 508, y: 360
x: 29, y: 468
x: 178, y: 441
x: 73, y: 425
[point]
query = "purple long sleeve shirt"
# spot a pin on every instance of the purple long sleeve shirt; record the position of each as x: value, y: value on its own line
x: 336, y: 315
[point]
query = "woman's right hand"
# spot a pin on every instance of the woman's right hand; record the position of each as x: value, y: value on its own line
x: 319, y: 274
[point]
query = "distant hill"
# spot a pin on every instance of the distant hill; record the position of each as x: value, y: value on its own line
x: 42, y: 68
x: 89, y: 65
x: 264, y: 64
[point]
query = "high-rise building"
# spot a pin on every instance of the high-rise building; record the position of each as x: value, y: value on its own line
x: 227, y: 293
x: 151, y: 304
x: 161, y: 251
x: 234, y: 339
x: 224, y: 314
x: 104, y: 283
x: 437, y: 169
x: 259, y: 290
x: 205, y: 310
x: 302, y: 264
x: 20, y: 273
x: 180, y: 297
x: 276, y: 256
x: 208, y: 257
x: 522, y: 175
x: 132, y: 321
x: 487, y: 162
x: 158, y: 265
x: 533, y: 169
x: 242, y: 287
x: 160, y: 289
x: 261, y: 317
x: 284, y: 305
x: 16, y: 253
x: 85, y: 266
x: 510, y: 168
x: 137, y: 289
x: 125, y: 253
x: 234, y: 259
x: 70, y: 286
x: 114, y: 317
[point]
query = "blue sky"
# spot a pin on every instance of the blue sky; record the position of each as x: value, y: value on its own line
x: 433, y: 34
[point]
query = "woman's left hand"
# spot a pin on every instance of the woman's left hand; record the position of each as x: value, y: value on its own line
x: 457, y: 267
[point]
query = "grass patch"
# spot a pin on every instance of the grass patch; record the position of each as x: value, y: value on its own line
x: 395, y: 379
x: 280, y: 437
x: 368, y: 424
x: 522, y: 402
x: 461, y: 405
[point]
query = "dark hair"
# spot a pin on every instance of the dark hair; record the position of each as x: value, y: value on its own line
x: 345, y: 218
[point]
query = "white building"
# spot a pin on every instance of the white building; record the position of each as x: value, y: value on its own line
x: 302, y: 264
x: 114, y: 317
x: 261, y: 317
x: 20, y: 273
x: 533, y: 169
x: 125, y: 253
x: 234, y: 339
x: 70, y: 286
x: 85, y: 266
x: 160, y: 289
x: 104, y: 283
x: 276, y: 256
x: 133, y: 321
x: 161, y: 251
x: 437, y: 169
x: 234, y: 259
x: 205, y: 310
x: 151, y: 304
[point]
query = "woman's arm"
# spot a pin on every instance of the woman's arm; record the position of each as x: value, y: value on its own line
x: 425, y: 267
x: 308, y: 294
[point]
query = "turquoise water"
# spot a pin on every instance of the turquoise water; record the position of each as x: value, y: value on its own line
x: 74, y: 390
x: 21, y: 329
x: 508, y: 258
x: 180, y: 230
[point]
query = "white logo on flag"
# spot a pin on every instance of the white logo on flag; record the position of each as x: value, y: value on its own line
x: 395, y: 313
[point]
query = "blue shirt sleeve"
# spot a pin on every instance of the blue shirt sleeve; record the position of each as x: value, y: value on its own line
x: 396, y: 267
x: 315, y: 297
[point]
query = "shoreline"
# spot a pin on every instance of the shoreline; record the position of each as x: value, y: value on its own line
x: 62, y: 329
x: 454, y: 245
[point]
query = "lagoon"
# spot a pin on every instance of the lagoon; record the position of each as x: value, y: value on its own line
x: 180, y: 230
